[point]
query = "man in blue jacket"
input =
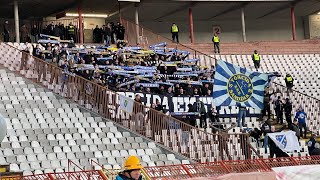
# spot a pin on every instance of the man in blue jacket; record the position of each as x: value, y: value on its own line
x: 301, y: 116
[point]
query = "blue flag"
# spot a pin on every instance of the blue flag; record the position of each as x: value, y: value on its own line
x: 236, y: 86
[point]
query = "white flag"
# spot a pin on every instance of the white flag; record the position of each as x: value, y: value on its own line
x: 126, y: 104
x: 286, y: 141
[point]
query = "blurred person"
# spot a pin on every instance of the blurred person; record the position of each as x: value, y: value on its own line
x: 316, y: 150
x: 311, y: 143
x: 216, y: 43
x: 295, y: 127
x: 6, y: 32
x: 132, y: 169
x: 266, y: 128
x: 24, y: 33
x: 288, y: 111
x: 241, y: 116
x: 108, y: 34
x: 289, y: 82
x: 301, y: 116
x: 175, y: 32
x: 279, y: 110
x: 256, y: 59
x: 34, y: 34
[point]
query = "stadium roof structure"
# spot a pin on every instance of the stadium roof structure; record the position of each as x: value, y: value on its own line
x: 162, y: 10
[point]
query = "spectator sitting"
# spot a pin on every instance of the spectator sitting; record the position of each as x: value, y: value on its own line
x: 311, y: 143
x: 316, y: 150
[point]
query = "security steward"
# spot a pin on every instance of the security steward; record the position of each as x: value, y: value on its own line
x: 175, y: 32
x: 289, y: 82
x: 216, y: 43
x: 71, y: 31
x: 132, y: 169
x: 256, y: 59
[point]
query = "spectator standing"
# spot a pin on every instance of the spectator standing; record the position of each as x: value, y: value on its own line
x: 279, y: 110
x: 96, y: 35
x: 24, y: 33
x: 301, y: 116
x: 71, y: 32
x: 6, y: 32
x: 295, y: 127
x: 34, y: 34
x: 288, y: 111
x: 241, y: 116
x: 256, y: 59
x: 216, y: 43
x: 120, y: 30
x: 108, y: 34
x: 175, y: 32
x: 266, y: 128
x: 56, y: 31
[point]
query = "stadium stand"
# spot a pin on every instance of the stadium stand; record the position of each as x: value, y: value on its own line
x: 45, y: 130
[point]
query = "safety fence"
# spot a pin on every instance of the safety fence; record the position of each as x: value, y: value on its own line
x: 179, y: 136
x: 136, y: 34
x: 215, y: 169
x: 184, y: 171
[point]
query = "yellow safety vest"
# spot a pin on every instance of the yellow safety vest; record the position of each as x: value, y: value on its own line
x: 289, y: 79
x: 174, y: 28
x: 71, y: 29
x: 256, y: 57
x: 216, y: 39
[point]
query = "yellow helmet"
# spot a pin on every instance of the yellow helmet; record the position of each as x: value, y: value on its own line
x: 132, y: 163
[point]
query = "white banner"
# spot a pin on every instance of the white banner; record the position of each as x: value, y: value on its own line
x: 126, y: 104
x: 286, y: 141
x: 306, y: 172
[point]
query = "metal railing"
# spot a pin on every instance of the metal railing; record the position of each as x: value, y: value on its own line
x: 191, y: 142
x: 310, y: 104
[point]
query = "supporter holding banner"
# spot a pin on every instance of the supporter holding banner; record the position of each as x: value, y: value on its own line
x: 286, y: 141
x: 126, y: 104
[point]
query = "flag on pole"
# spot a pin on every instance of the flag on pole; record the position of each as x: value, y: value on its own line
x: 126, y: 104
x: 286, y: 141
x: 236, y: 86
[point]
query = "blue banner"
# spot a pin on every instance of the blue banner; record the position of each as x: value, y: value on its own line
x: 236, y: 86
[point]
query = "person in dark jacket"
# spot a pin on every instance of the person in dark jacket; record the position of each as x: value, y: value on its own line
x: 287, y: 111
x: 311, y: 143
x: 266, y: 128
x: 132, y: 169
x: 316, y: 150
x: 279, y: 110
x: 295, y: 127
x: 274, y: 149
x: 108, y: 34
x: 6, y: 32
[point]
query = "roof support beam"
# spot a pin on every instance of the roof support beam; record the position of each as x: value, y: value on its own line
x: 233, y: 8
x: 191, y: 4
x: 280, y: 9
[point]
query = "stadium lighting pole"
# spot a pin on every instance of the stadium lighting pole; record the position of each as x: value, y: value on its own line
x: 136, y: 20
x: 80, y: 23
x: 293, y: 23
x: 16, y: 20
x: 243, y: 23
x: 191, y: 25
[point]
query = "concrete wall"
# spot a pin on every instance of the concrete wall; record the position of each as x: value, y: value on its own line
x: 314, y: 26
x: 257, y: 30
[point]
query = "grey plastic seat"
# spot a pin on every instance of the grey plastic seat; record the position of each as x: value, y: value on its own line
x: 61, y: 156
x: 11, y: 159
x: 18, y: 151
x: 47, y: 149
x: 80, y: 155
